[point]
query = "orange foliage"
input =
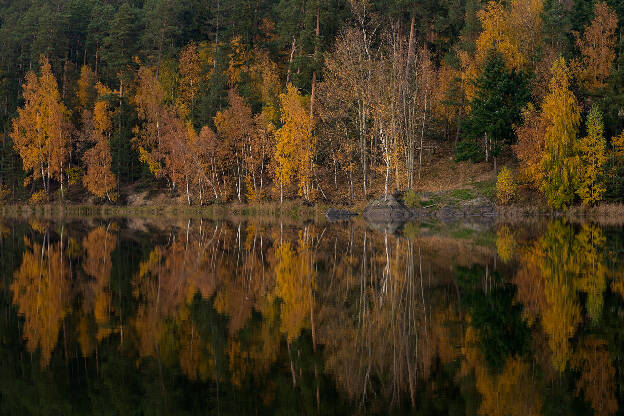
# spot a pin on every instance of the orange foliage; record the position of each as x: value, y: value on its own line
x: 40, y: 291
x: 598, y: 47
x: 531, y: 144
x: 39, y: 134
x: 597, y: 381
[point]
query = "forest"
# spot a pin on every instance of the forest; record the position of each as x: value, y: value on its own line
x: 217, y: 101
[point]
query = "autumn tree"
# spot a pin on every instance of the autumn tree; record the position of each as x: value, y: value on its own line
x: 86, y: 92
x: 190, y: 80
x: 597, y: 47
x: 39, y: 133
x: 295, y: 144
x: 592, y: 149
x: 496, y: 33
x: 512, y: 30
x: 99, y: 179
x: 560, y: 161
x: 344, y: 102
x: 165, y: 140
x: 235, y: 126
x: 266, y: 84
x: 530, y: 146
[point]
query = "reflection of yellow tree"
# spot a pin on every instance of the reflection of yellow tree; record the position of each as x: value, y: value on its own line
x: 294, y: 278
x: 563, y: 312
x: 552, y: 272
x: 166, y: 282
x: 512, y: 392
x: 505, y: 243
x: 99, y: 245
x: 258, y: 352
x: 597, y: 379
x: 40, y: 289
x: 394, y: 331
x: 592, y: 269
x: 528, y: 280
x: 222, y: 265
x: 195, y: 355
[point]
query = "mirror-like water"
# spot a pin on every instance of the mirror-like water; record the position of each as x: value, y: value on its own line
x: 125, y: 317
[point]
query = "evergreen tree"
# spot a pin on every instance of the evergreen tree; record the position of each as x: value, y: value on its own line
x: 497, y: 106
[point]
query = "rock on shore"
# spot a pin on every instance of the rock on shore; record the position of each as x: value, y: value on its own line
x: 392, y: 209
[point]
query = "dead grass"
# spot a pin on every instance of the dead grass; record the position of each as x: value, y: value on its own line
x: 444, y: 174
x: 605, y: 214
x: 290, y: 211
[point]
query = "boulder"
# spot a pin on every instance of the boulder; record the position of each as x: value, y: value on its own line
x: 386, y: 210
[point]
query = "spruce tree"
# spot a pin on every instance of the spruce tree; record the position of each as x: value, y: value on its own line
x: 497, y: 106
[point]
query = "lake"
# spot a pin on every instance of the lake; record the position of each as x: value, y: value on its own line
x: 130, y: 316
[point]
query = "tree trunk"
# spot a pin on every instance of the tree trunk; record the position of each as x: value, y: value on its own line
x: 318, y: 32
x: 292, y: 56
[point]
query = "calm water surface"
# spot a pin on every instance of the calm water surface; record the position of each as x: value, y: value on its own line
x: 200, y: 317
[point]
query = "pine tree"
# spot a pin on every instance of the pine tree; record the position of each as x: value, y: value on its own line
x: 497, y: 105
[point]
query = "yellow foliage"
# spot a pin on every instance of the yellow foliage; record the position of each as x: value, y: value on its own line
x: 593, y: 153
x: 505, y: 186
x: 99, y: 180
x: 598, y: 376
x: 514, y: 31
x: 497, y: 35
x: 74, y: 175
x: 86, y: 91
x: 505, y: 243
x: 190, y: 79
x: 295, y: 144
x: 102, y: 119
x: 237, y: 59
x: 40, y: 288
x: 146, y: 157
x: 38, y: 198
x: 39, y: 133
x: 5, y: 192
x: 560, y: 163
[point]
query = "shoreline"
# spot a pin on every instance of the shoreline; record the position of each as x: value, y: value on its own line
x: 609, y: 213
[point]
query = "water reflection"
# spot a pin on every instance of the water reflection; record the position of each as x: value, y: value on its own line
x: 198, y: 317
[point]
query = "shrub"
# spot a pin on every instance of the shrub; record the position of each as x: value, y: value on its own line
x: 411, y: 198
x: 505, y: 186
x: 74, y: 176
x: 5, y: 192
x: 39, y: 198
